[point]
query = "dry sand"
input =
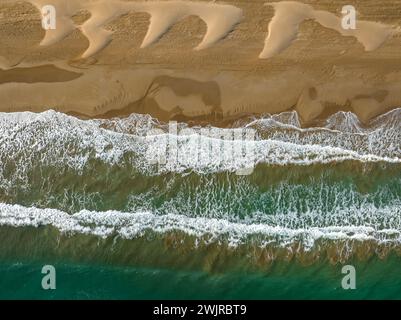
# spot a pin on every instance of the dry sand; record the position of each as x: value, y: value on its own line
x: 200, y: 60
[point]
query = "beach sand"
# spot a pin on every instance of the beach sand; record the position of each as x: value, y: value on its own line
x: 201, y: 61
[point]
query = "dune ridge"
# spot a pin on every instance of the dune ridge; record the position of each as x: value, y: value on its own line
x: 284, y: 27
x: 219, y: 18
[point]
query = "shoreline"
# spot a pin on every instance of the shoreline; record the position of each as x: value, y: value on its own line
x: 197, y: 98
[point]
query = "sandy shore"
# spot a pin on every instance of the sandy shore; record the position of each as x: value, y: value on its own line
x: 200, y: 61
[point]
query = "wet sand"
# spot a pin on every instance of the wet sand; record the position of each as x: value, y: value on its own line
x: 113, y: 58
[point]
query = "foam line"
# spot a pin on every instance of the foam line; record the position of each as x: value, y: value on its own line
x: 132, y: 225
x: 49, y: 137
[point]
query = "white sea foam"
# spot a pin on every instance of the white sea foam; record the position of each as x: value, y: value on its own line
x: 382, y: 137
x: 29, y: 140
x: 319, y: 200
x: 134, y: 225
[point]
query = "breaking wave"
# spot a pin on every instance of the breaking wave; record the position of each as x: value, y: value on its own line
x: 58, y: 140
x: 381, y: 224
x: 117, y: 177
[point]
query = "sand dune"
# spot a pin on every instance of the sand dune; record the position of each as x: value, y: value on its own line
x: 219, y: 18
x: 284, y: 27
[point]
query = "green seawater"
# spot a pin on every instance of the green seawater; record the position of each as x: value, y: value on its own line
x: 376, y: 279
x: 91, y: 268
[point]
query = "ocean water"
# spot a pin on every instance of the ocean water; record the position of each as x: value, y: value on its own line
x: 377, y: 280
x: 135, y: 208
